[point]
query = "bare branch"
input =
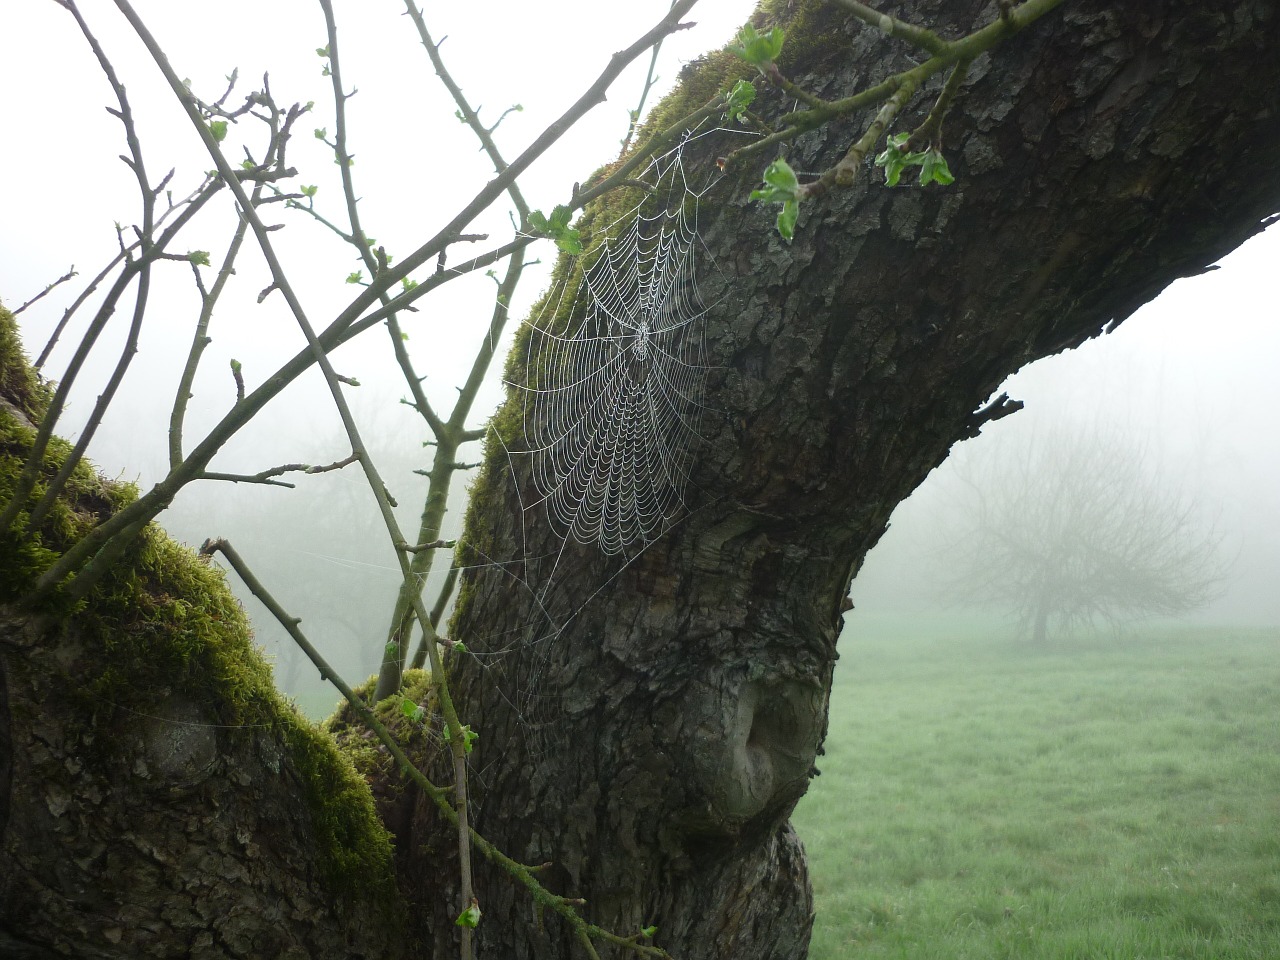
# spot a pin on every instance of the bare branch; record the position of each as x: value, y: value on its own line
x: 433, y: 545
x: 266, y: 476
x: 200, y: 340
x: 47, y: 290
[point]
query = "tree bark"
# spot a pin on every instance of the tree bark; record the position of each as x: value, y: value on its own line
x: 647, y: 724
x: 157, y: 829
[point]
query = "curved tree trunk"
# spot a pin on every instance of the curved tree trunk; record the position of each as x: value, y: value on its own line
x: 647, y: 725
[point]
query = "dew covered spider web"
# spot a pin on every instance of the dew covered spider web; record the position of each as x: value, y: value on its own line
x: 614, y: 373
x: 609, y: 382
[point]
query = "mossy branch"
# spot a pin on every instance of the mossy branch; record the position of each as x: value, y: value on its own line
x: 928, y: 131
x: 891, y: 89
x: 921, y: 37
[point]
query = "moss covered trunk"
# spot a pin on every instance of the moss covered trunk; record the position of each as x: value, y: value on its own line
x: 647, y: 723
x: 158, y: 798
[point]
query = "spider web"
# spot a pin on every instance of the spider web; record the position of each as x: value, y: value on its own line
x: 614, y: 395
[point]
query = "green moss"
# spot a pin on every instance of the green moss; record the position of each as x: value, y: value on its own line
x: 163, y: 622
x: 19, y: 384
x: 368, y: 757
x: 355, y: 848
x: 815, y: 30
x: 87, y: 499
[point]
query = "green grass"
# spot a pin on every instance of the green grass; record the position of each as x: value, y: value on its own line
x: 1109, y: 799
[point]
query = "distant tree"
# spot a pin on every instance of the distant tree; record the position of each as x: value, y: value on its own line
x: 1080, y: 528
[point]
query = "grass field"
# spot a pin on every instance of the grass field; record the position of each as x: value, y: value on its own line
x: 1098, y: 800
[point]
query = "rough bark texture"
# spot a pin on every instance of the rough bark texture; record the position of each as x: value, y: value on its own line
x: 651, y: 747
x: 155, y: 834
x: 157, y: 797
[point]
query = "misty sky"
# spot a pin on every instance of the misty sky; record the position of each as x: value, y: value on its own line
x: 1195, y: 373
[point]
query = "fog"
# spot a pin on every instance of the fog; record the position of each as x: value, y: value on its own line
x: 1191, y: 379
x: 1193, y: 374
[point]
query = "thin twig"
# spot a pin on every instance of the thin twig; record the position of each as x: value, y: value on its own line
x: 47, y: 290
x: 649, y: 81
x: 133, y: 266
x: 437, y: 611
x: 201, y: 339
x: 266, y: 476
x: 148, y: 255
x: 952, y: 52
x: 433, y: 545
x: 928, y: 131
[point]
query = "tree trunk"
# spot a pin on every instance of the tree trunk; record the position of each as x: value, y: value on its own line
x: 647, y: 724
x: 1040, y: 626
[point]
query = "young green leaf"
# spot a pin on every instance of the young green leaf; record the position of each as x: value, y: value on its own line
x: 934, y: 169
x: 560, y: 217
x: 932, y: 164
x: 309, y: 191
x: 569, y: 241
x: 787, y: 217
x: 781, y: 183
x: 469, y: 917
x: 469, y: 737
x: 199, y: 257
x: 892, y: 158
x: 648, y: 932
x: 219, y: 130
x: 355, y: 276
x: 557, y: 228
x: 758, y: 49
x: 740, y: 97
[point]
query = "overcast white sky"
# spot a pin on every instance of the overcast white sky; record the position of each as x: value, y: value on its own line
x: 1197, y: 369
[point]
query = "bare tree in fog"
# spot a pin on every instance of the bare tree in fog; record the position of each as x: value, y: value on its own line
x: 1080, y: 528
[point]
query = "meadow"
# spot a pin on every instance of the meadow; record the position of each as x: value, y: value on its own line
x: 1101, y: 799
